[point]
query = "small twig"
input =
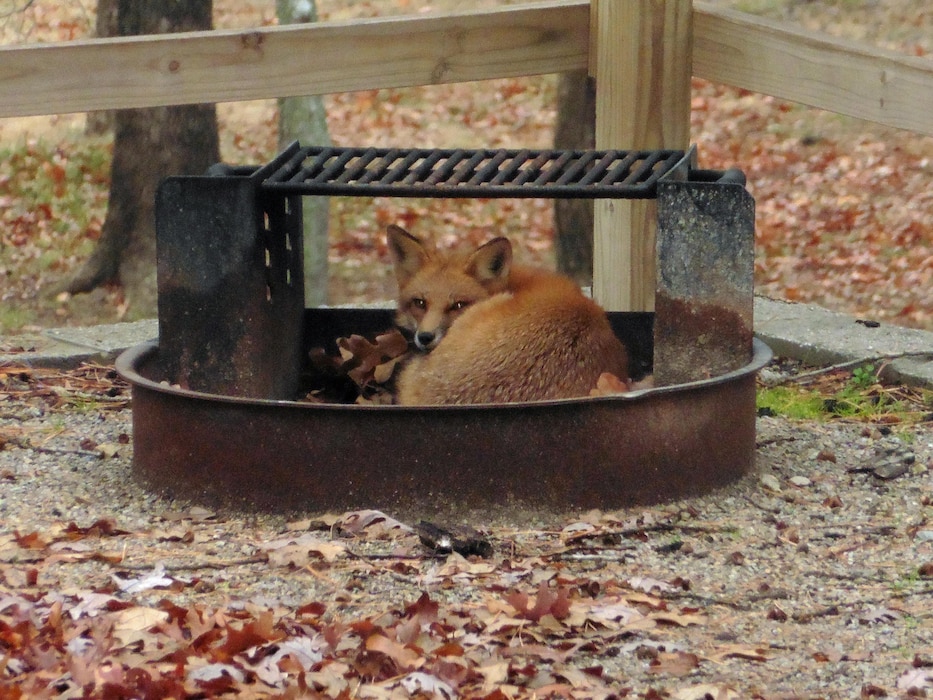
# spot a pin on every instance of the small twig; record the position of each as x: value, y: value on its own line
x: 193, y: 567
x: 851, y: 577
x: 775, y: 441
x: 614, y: 555
x: 645, y: 529
x: 26, y: 445
x: 908, y: 594
x: 828, y: 611
x: 804, y: 377
x: 766, y: 509
x: 377, y: 556
x: 62, y: 451
x: 713, y: 600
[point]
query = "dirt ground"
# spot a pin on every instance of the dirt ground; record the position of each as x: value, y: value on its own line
x: 811, y: 577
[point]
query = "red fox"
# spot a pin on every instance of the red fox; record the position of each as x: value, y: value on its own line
x: 489, y: 331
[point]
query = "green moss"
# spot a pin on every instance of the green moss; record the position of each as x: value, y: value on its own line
x: 791, y: 402
x: 860, y: 398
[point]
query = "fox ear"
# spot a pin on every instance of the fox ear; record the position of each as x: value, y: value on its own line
x: 491, y: 262
x: 408, y: 253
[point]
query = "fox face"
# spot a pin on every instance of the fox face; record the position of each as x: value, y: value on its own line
x: 435, y: 288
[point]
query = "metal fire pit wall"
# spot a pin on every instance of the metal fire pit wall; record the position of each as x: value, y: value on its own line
x: 213, y: 409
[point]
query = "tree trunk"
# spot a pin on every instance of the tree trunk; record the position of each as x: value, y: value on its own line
x: 101, y: 121
x: 573, y: 218
x: 304, y: 119
x: 149, y: 145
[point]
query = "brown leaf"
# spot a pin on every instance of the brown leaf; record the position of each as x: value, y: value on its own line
x: 363, y: 357
x: 678, y: 663
x: 301, y: 550
x: 404, y: 657
x: 609, y: 384
x: 549, y: 601
x: 706, y: 691
x: 31, y: 540
x: 832, y: 502
x: 374, y: 522
x: 739, y: 651
x: 258, y: 631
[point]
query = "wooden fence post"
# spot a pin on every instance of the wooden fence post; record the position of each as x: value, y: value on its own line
x: 641, y: 56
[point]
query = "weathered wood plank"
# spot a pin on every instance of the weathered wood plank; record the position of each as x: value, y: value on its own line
x: 642, y: 68
x: 222, y: 66
x: 728, y: 47
x: 841, y: 76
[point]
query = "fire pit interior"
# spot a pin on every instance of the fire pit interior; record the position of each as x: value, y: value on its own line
x: 214, y: 406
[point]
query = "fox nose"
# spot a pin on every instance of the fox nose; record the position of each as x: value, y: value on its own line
x: 425, y: 340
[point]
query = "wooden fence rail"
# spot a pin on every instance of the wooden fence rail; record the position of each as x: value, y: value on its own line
x: 219, y: 66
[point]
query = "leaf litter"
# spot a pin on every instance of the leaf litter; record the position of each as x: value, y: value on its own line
x: 844, y: 554
x: 818, y: 589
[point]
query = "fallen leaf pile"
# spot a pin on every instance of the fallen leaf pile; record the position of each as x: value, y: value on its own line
x: 542, y: 622
x: 531, y: 631
x: 363, y: 372
x: 89, y: 385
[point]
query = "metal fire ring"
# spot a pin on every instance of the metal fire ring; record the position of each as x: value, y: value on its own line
x: 234, y: 333
x: 288, y: 456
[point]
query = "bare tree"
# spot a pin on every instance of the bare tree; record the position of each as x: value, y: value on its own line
x: 149, y: 145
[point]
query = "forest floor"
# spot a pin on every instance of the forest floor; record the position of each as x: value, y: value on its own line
x: 811, y: 577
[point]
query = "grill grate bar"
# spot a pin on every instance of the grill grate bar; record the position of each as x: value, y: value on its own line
x: 506, y: 173
x: 624, y: 170
x: 359, y: 167
x: 469, y: 173
x: 465, y: 170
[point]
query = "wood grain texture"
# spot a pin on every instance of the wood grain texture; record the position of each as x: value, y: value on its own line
x: 642, y: 68
x: 814, y: 69
x: 222, y: 66
x: 728, y: 47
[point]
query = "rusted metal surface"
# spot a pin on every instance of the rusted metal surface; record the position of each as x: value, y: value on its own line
x: 586, y: 453
x: 705, y: 277
x: 234, y: 339
x: 231, y: 287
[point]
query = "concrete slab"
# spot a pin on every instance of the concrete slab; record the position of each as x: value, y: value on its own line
x: 69, y: 347
x: 819, y: 337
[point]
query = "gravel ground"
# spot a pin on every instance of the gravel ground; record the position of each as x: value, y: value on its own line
x: 810, y: 578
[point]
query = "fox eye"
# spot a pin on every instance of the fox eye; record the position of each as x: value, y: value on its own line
x: 419, y: 303
x: 459, y: 305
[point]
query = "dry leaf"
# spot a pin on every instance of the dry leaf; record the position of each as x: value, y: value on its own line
x: 134, y: 623
x: 678, y: 663
x: 405, y: 658
x: 301, y: 550
x: 706, y: 691
x: 609, y: 384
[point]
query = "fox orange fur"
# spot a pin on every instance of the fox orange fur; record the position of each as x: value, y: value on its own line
x: 489, y: 331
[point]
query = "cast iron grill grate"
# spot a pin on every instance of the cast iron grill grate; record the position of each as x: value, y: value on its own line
x: 397, y: 172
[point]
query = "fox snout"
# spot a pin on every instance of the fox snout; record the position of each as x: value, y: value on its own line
x: 427, y: 325
x: 426, y: 341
